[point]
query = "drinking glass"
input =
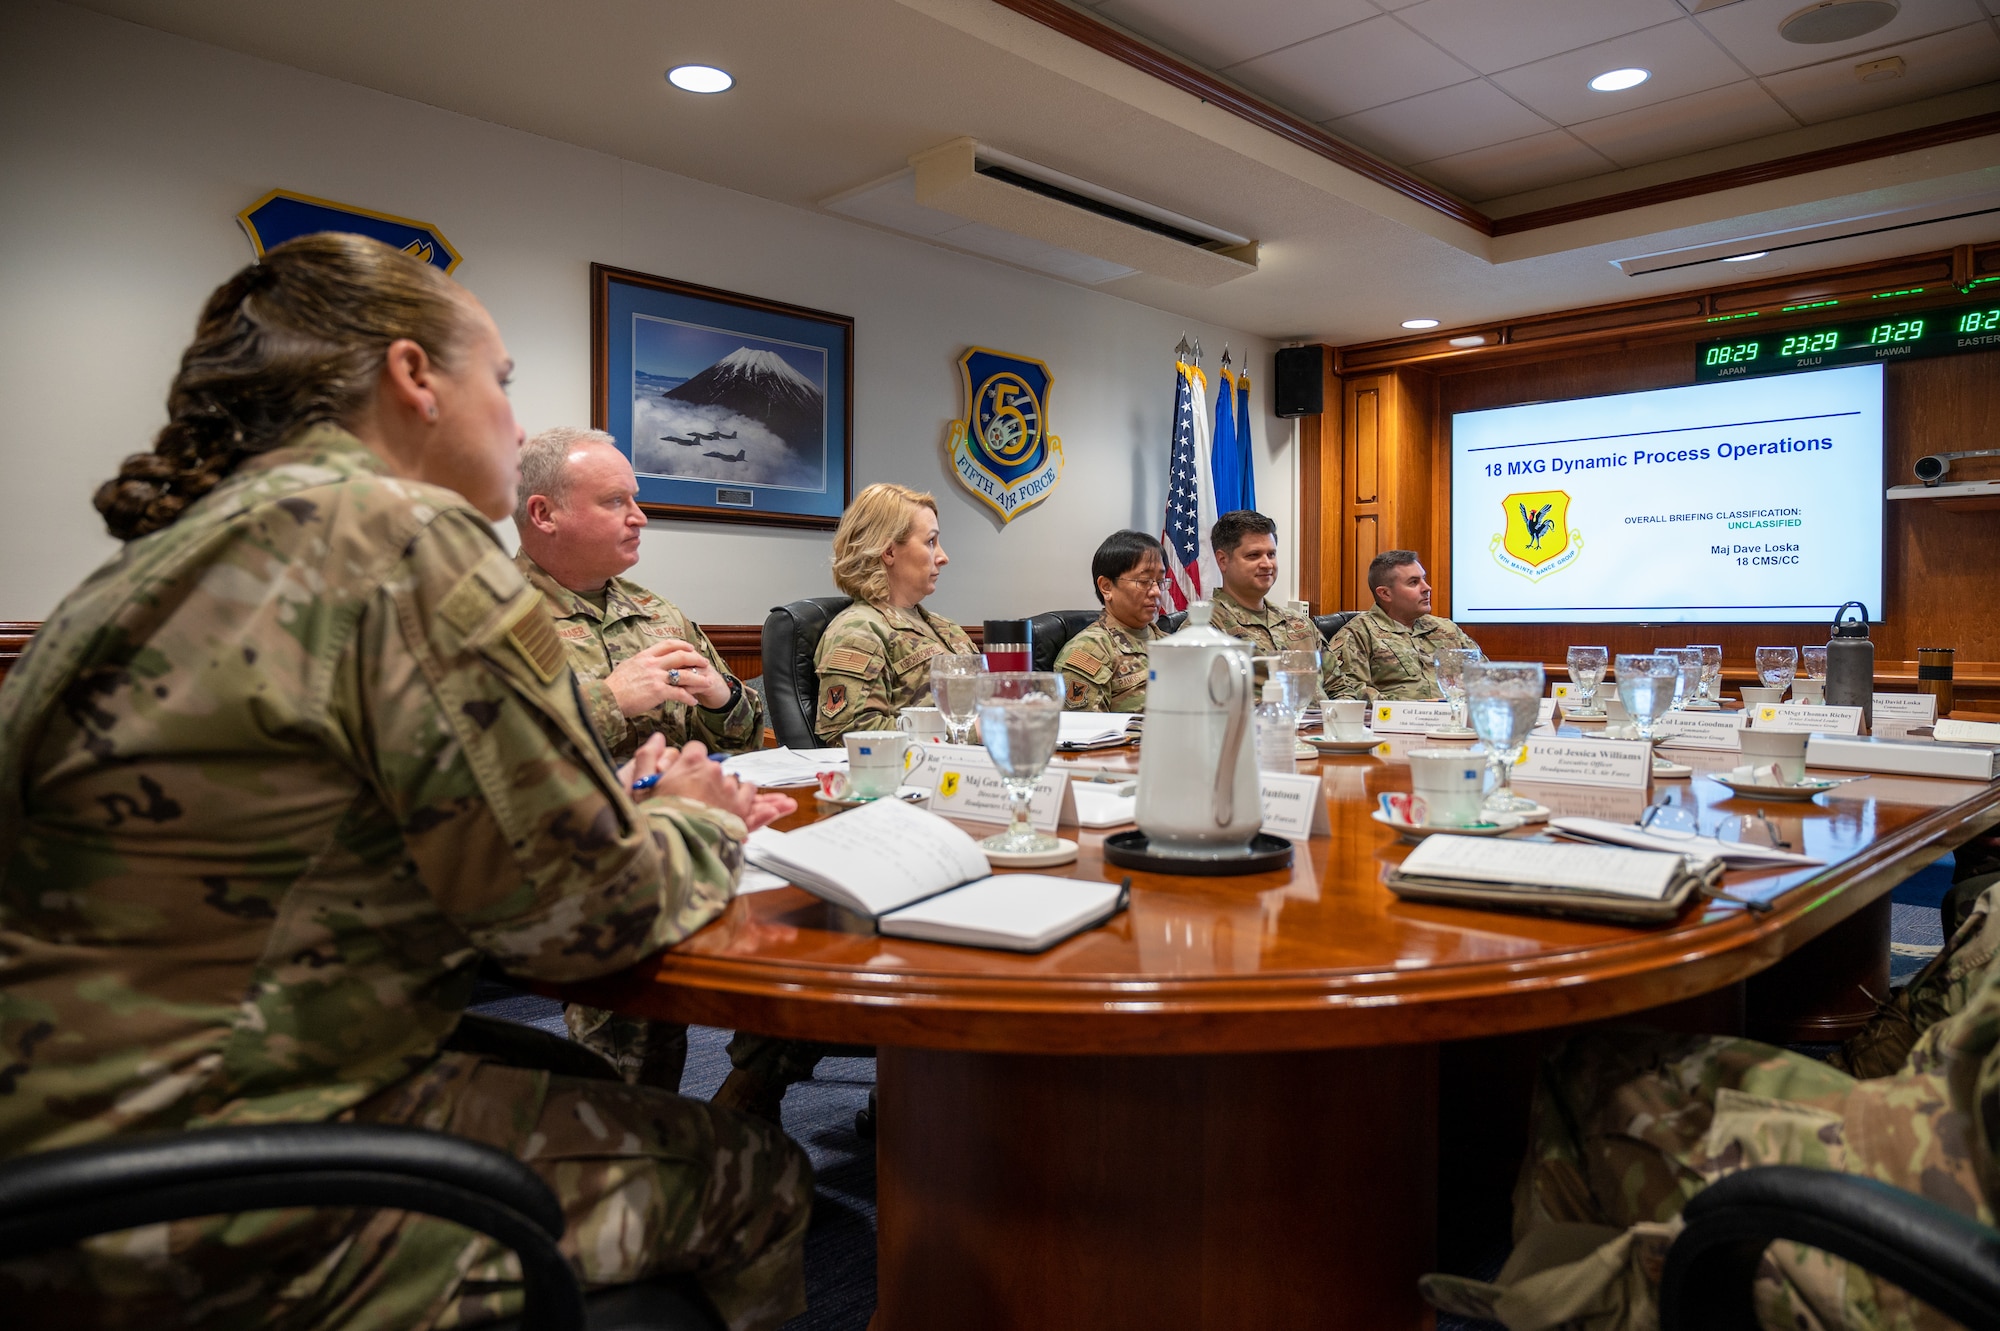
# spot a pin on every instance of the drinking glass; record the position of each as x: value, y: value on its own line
x: 1297, y: 673
x: 1687, y: 677
x: 1020, y: 712
x: 1646, y: 686
x: 1711, y: 673
x: 1776, y: 666
x: 1586, y: 667
x: 955, y: 691
x: 1451, y: 664
x: 1505, y: 700
x: 1812, y: 662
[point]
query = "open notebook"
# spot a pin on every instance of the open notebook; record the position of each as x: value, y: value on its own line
x: 919, y: 876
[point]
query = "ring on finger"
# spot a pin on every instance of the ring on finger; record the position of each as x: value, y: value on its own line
x: 674, y: 677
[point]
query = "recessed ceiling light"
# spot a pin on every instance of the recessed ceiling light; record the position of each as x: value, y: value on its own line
x: 1746, y: 258
x: 1420, y: 323
x: 700, y: 78
x: 1618, y: 80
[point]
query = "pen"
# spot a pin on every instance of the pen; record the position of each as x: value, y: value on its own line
x: 645, y: 783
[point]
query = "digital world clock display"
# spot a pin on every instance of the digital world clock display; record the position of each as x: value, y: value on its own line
x: 1936, y: 332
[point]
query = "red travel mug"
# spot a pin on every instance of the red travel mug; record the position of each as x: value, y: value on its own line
x: 1009, y: 644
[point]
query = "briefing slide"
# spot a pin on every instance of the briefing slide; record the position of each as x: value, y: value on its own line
x: 1753, y: 501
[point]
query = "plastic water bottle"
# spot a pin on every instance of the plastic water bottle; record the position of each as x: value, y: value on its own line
x: 1277, y: 732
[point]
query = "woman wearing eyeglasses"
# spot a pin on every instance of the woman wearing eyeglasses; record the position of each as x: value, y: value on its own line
x: 1106, y: 663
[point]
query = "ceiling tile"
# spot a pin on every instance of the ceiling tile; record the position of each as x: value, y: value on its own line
x: 1749, y: 31
x: 1437, y: 124
x: 1490, y: 36
x: 1351, y: 70
x: 1729, y: 114
x: 1216, y: 35
x: 1681, y: 57
x: 1535, y: 162
x: 1940, y: 63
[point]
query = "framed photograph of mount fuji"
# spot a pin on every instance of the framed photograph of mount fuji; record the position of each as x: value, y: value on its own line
x: 732, y: 408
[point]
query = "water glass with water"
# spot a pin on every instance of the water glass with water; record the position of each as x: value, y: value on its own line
x: 1020, y: 712
x: 1297, y: 673
x: 1711, y: 672
x: 955, y: 691
x: 1504, y: 699
x: 1687, y: 677
x: 1646, y: 684
x: 1812, y: 662
x: 1451, y: 664
x: 1777, y: 666
x: 1586, y: 668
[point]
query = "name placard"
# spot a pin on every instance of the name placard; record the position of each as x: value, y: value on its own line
x: 1622, y: 763
x: 1699, y: 730
x: 1918, y: 709
x: 964, y: 784
x: 1809, y: 720
x: 1546, y: 718
x: 1293, y: 808
x: 1967, y: 732
x: 1410, y: 718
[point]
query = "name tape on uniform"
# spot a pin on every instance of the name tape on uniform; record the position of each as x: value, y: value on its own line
x: 1699, y: 730
x: 1293, y: 806
x: 1410, y: 718
x: 1800, y: 719
x: 1623, y: 763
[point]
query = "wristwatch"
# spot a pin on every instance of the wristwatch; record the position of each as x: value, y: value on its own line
x: 735, y: 696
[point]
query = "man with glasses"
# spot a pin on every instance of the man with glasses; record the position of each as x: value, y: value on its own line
x: 1105, y: 665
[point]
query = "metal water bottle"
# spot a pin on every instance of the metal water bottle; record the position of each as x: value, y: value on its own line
x: 1850, y: 664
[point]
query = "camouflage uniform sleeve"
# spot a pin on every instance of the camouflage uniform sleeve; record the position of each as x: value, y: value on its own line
x: 459, y: 708
x: 1087, y: 670
x: 1345, y: 672
x: 852, y: 664
x: 739, y: 728
x: 601, y: 706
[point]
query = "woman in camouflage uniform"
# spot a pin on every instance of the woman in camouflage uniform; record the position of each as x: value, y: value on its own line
x: 1105, y: 666
x: 273, y: 781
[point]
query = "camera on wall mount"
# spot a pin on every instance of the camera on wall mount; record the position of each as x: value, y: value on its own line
x: 1931, y: 468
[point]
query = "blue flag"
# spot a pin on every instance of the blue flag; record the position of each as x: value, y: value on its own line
x: 1226, y: 458
x: 1246, y: 474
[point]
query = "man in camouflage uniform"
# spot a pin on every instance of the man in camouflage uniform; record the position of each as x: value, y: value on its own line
x: 272, y: 782
x: 1389, y: 652
x: 1246, y: 554
x: 645, y: 668
x: 1628, y: 1126
x: 875, y: 660
x: 1104, y: 667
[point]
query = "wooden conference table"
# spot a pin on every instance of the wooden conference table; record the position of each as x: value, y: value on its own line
x: 1220, y: 1109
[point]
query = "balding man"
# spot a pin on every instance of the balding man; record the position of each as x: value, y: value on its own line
x: 644, y: 667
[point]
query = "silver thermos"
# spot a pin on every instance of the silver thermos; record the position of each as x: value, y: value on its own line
x: 1850, y: 664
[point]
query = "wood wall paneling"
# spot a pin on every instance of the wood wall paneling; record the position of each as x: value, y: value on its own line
x: 1321, y: 483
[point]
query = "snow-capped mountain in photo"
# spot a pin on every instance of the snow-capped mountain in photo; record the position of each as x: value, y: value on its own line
x: 763, y: 386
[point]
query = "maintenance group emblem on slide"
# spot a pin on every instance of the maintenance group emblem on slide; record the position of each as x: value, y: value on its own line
x: 1537, y: 539
x: 1002, y: 450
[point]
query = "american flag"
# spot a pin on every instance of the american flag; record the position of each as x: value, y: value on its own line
x: 1190, y: 492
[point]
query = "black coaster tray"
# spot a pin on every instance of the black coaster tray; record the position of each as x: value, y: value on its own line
x: 1130, y: 850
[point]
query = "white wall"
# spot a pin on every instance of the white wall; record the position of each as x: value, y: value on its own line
x: 127, y: 154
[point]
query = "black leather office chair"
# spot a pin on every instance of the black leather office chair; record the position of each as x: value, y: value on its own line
x: 1946, y: 1259
x: 1331, y: 624
x: 56, y: 1198
x: 1052, y: 629
x: 791, y: 685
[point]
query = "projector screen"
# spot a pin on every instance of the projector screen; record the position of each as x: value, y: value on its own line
x: 1752, y: 501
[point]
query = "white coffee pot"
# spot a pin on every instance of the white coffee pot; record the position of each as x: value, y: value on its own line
x: 1198, y: 793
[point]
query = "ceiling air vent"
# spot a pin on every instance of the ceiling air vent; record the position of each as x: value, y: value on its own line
x: 976, y: 183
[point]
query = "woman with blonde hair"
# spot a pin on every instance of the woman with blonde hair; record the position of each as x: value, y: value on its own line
x: 875, y: 658
x: 278, y: 776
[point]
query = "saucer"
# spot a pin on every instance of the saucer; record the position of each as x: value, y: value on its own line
x: 1670, y: 770
x: 1803, y: 790
x: 1507, y: 822
x: 1586, y: 718
x: 907, y: 794
x: 1452, y: 735
x: 1031, y: 859
x: 1304, y: 749
x: 1325, y: 745
x: 1709, y: 705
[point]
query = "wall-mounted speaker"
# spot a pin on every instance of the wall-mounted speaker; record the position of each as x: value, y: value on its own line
x: 1300, y: 387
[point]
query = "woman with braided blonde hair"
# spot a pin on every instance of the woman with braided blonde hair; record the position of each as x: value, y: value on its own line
x: 278, y: 776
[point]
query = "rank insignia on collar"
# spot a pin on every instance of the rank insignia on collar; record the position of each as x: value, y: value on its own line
x: 1002, y: 451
